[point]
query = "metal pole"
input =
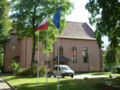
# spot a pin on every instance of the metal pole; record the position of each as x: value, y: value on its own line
x: 47, y: 59
x: 58, y: 62
x: 58, y: 86
x: 38, y: 60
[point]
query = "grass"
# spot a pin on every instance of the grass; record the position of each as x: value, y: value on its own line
x: 65, y: 84
x: 99, y: 73
x: 115, y: 81
x: 102, y: 73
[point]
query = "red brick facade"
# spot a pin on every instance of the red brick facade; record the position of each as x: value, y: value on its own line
x: 23, y: 50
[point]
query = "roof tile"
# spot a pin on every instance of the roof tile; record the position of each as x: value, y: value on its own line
x: 78, y: 30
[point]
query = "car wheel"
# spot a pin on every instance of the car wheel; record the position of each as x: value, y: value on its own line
x: 54, y: 76
x: 72, y: 76
x: 63, y: 76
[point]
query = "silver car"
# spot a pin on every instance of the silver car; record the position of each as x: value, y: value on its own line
x: 64, y: 70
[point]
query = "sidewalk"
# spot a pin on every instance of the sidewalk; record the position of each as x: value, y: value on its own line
x: 90, y: 76
x: 4, y: 85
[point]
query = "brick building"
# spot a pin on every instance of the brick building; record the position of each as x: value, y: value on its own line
x: 78, y: 49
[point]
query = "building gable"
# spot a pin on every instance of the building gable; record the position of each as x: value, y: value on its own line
x: 77, y: 30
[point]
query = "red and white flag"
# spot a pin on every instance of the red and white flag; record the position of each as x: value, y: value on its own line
x: 43, y: 25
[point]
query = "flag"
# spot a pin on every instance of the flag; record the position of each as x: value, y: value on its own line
x: 56, y: 18
x: 43, y: 25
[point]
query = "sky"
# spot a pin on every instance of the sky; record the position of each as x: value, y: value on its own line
x: 80, y: 14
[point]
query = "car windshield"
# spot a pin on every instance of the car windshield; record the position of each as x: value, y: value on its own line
x: 65, y: 68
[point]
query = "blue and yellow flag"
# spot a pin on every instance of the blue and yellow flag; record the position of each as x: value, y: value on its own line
x: 56, y: 18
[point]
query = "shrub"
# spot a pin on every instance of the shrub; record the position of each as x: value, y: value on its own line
x: 24, y: 72
x: 14, y: 66
x: 31, y: 71
x: 2, y: 69
x: 42, y: 70
x: 118, y: 70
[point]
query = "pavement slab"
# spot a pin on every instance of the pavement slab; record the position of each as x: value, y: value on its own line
x: 4, y: 85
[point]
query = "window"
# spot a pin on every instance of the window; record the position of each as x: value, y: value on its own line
x: 65, y: 68
x: 56, y: 68
x: 61, y: 51
x: 85, y: 55
x: 74, y: 54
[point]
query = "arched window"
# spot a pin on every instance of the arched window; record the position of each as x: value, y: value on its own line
x: 61, y: 51
x: 74, y: 54
x: 85, y: 55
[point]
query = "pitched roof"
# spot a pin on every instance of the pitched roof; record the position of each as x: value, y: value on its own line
x: 78, y: 30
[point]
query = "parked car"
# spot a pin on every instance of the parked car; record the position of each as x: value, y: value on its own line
x: 64, y: 70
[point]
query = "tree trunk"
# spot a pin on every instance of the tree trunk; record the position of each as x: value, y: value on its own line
x: 33, y: 36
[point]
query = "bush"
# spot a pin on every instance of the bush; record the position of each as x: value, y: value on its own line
x: 31, y: 71
x: 35, y: 67
x: 24, y: 72
x: 2, y: 69
x: 118, y: 70
x: 14, y: 66
x: 42, y: 70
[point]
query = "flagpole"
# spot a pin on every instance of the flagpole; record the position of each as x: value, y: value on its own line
x: 58, y: 87
x: 38, y: 60
x: 41, y: 28
x: 56, y: 21
x: 47, y: 59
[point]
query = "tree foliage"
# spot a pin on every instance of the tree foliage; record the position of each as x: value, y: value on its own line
x: 28, y: 14
x: 4, y: 21
x: 4, y: 27
x: 105, y: 15
x: 110, y: 57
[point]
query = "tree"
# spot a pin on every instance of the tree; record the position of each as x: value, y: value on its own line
x: 108, y: 60
x: 4, y: 21
x: 27, y: 15
x: 4, y: 27
x: 105, y: 15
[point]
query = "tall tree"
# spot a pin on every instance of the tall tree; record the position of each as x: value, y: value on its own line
x: 4, y: 20
x: 110, y: 57
x: 105, y: 15
x: 4, y: 26
x: 27, y: 15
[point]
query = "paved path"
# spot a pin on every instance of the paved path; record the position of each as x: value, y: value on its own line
x: 87, y: 76
x: 4, y: 85
x: 90, y: 76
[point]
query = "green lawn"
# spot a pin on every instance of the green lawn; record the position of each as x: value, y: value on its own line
x: 102, y: 73
x: 65, y: 84
x: 114, y: 81
x: 98, y: 73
